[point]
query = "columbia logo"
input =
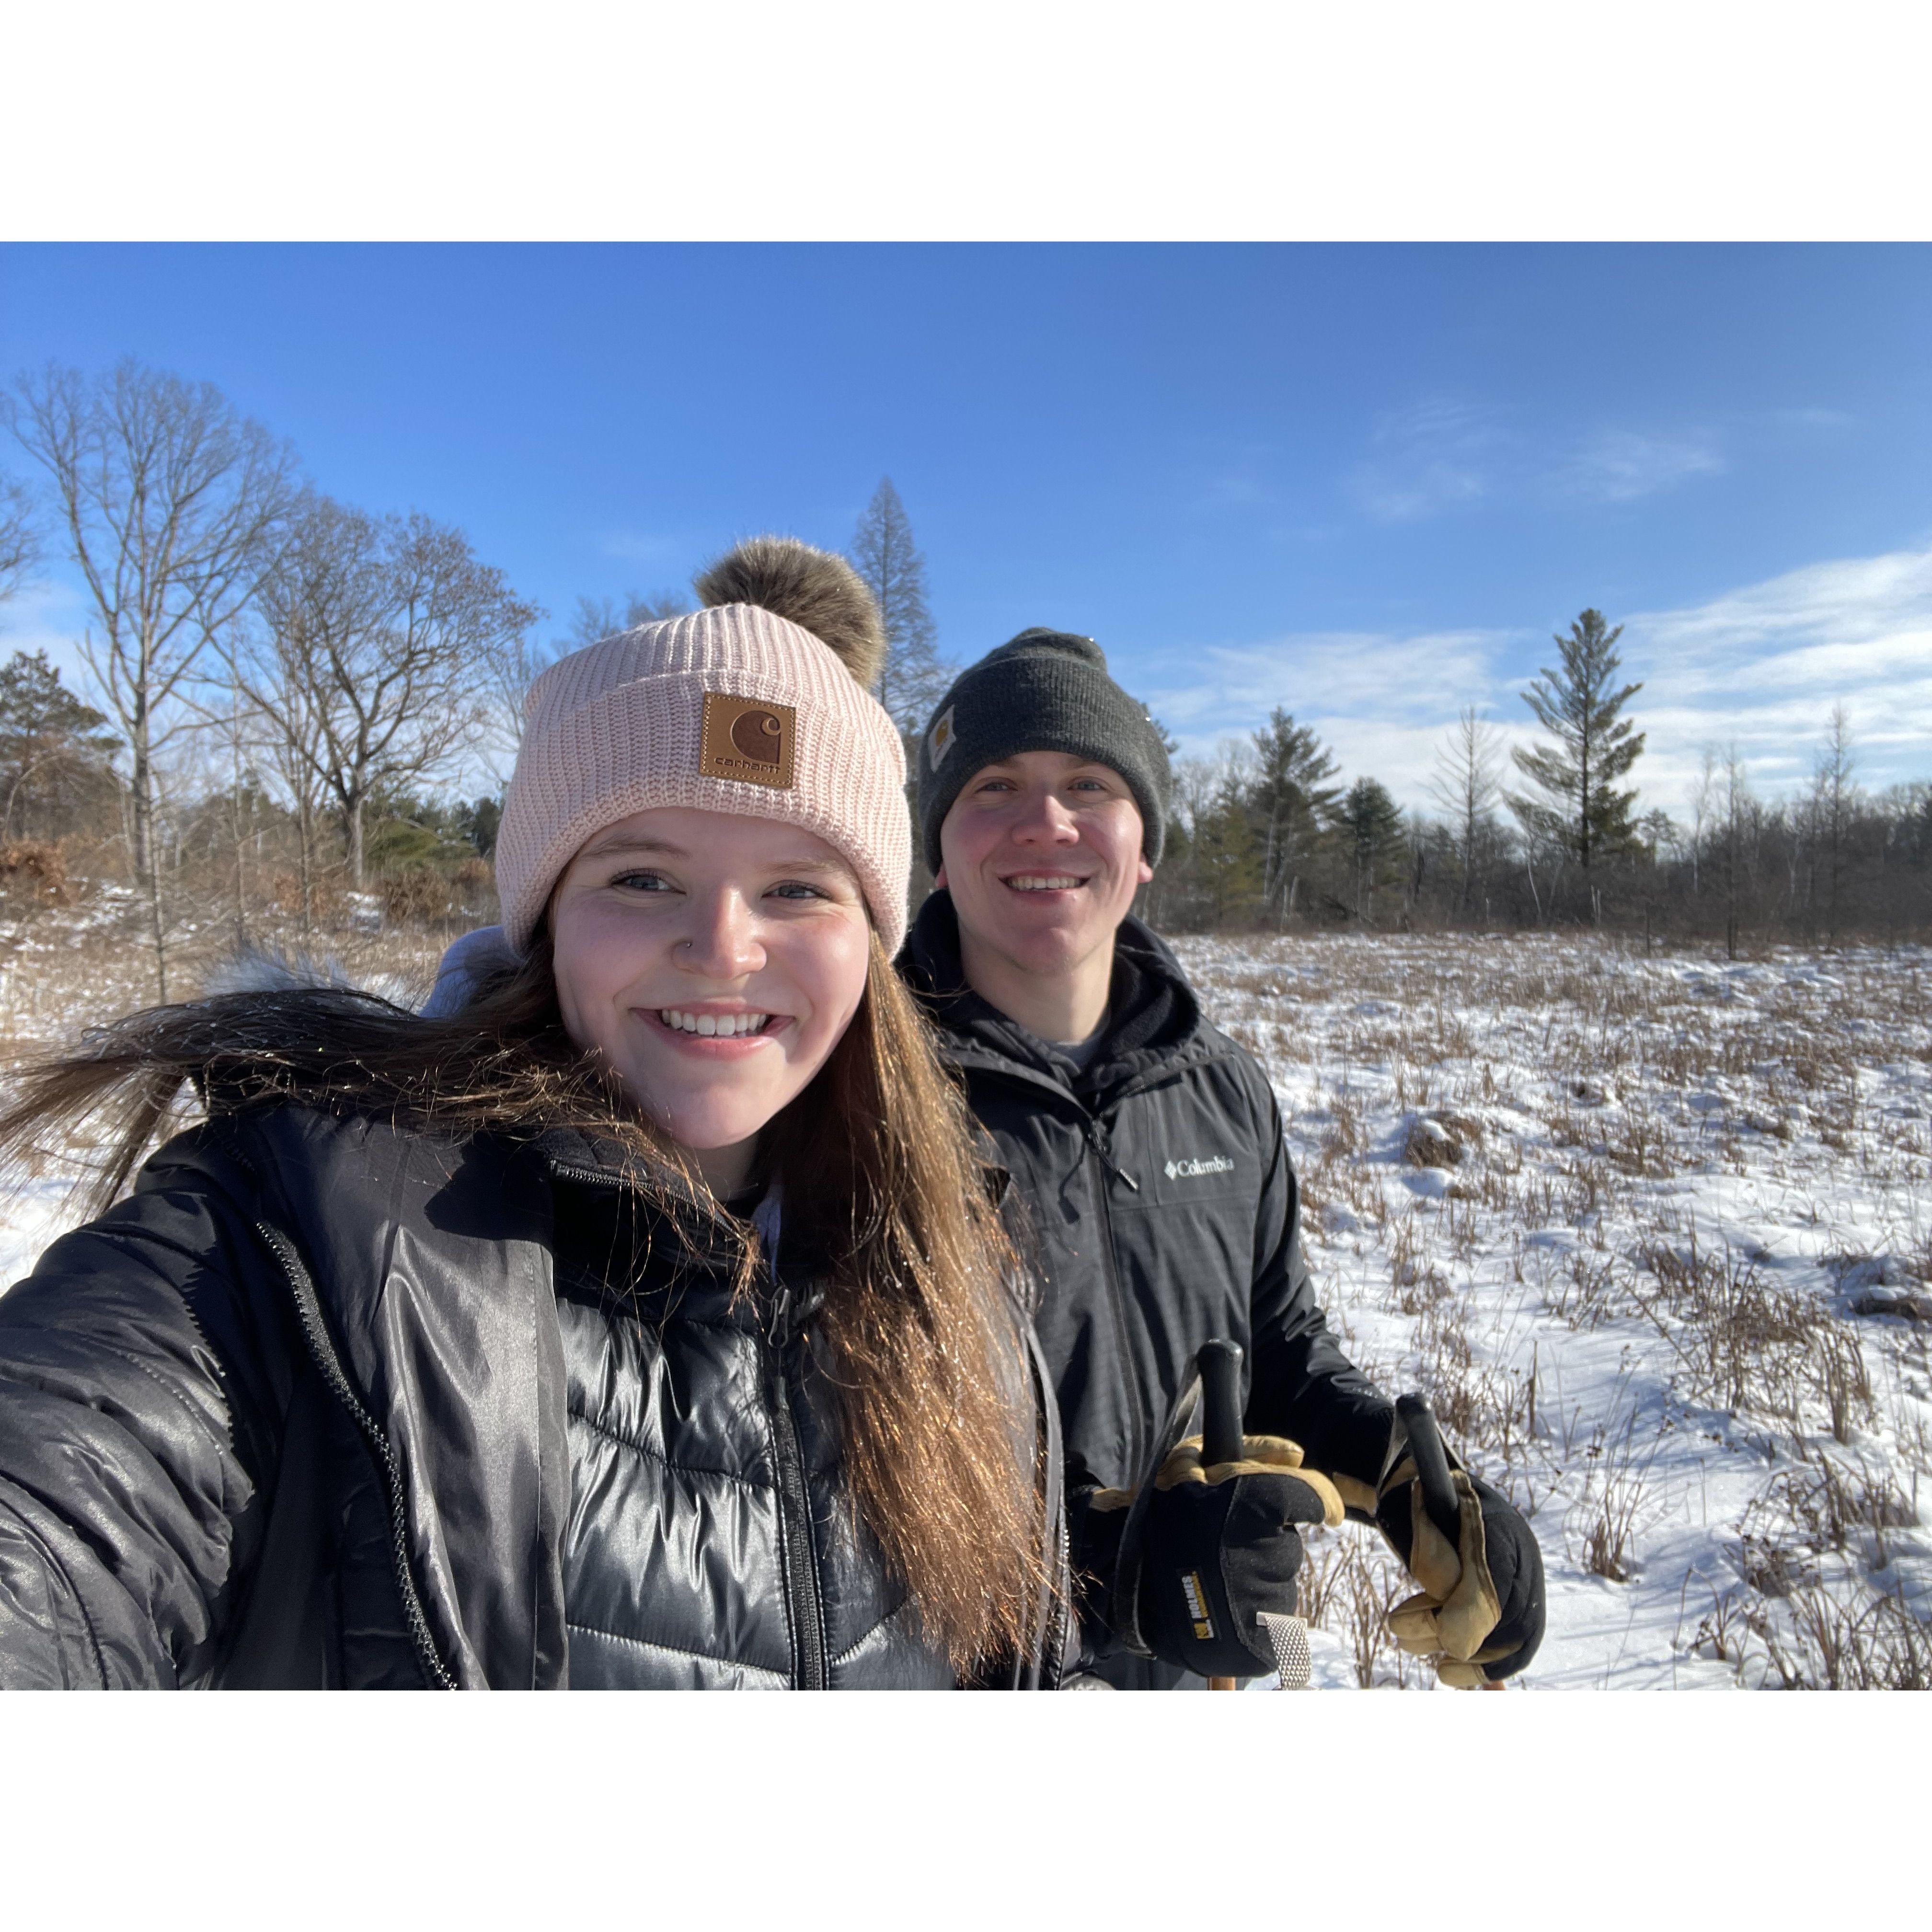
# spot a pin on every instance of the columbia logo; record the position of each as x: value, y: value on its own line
x: 1188, y: 1170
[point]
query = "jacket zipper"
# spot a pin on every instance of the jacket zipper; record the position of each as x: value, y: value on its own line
x: 323, y: 1349
x: 809, y: 1668
x: 1096, y: 1141
x: 804, y: 1612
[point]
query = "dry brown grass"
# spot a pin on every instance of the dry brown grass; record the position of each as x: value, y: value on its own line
x: 1526, y: 1162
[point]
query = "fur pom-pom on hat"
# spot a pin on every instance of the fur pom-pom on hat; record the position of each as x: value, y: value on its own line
x: 813, y: 589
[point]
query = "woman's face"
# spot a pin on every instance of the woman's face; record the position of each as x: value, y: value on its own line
x: 715, y: 961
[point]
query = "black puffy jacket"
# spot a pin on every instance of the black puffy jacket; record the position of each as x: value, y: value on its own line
x: 326, y: 1403
x: 1163, y: 1212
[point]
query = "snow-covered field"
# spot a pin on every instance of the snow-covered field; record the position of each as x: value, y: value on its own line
x: 1655, y: 1235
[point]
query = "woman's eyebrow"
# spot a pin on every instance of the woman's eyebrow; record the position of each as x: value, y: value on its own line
x: 800, y: 862
x: 805, y: 863
x: 600, y: 848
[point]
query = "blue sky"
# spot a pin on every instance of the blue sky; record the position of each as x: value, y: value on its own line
x: 1364, y: 482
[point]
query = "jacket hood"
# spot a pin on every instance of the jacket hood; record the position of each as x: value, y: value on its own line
x: 1153, y: 1017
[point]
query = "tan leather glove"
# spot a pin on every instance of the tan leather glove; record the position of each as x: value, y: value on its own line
x: 1259, y: 1455
x: 1451, y: 1619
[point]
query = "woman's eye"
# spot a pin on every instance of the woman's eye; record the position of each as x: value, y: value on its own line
x: 797, y: 889
x: 643, y: 882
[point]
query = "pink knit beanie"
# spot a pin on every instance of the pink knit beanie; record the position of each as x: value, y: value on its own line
x: 758, y: 704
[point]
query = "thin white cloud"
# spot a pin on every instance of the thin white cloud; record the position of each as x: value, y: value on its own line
x: 1809, y: 418
x: 1619, y: 465
x: 1760, y: 668
x: 1445, y: 454
x: 1382, y: 702
x: 1440, y: 455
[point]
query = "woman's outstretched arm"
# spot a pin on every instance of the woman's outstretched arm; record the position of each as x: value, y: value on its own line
x: 144, y: 1371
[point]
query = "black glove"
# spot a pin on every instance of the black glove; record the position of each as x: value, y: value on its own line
x: 1479, y: 1613
x: 1220, y: 1544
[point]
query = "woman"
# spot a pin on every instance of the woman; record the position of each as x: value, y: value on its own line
x: 646, y: 1323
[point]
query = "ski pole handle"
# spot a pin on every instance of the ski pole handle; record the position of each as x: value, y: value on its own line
x: 1432, y: 1468
x: 1219, y: 1364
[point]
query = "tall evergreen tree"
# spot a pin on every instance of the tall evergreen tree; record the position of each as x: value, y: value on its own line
x: 1292, y: 805
x: 55, y: 753
x: 884, y: 554
x: 1370, y: 823
x: 1583, y: 812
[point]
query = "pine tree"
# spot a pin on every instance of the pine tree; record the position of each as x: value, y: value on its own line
x: 55, y: 753
x: 1587, y: 817
x: 1291, y: 805
x: 1370, y: 822
x: 884, y: 554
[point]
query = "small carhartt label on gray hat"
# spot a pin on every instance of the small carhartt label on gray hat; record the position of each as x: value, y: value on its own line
x: 747, y: 739
x: 939, y: 739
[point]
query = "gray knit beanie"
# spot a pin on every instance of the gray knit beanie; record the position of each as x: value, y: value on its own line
x: 1046, y: 691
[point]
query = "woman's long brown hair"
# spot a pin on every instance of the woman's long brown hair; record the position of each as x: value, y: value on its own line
x: 919, y: 1332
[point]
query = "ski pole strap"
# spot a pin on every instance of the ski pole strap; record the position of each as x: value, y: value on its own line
x: 1288, y: 1638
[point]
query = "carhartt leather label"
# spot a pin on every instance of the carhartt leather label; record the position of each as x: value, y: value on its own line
x: 747, y: 738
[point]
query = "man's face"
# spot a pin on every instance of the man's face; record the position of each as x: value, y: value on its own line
x: 1042, y: 854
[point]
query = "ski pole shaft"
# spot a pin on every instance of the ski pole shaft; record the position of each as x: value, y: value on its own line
x: 1432, y: 1468
x: 1218, y: 1365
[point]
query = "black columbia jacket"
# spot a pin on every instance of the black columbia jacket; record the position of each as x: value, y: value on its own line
x: 1162, y: 1212
x: 324, y: 1403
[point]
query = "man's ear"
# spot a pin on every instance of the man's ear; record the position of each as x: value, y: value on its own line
x: 1147, y: 872
x: 939, y: 877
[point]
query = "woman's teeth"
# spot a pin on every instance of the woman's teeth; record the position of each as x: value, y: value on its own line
x: 725, y: 1025
x: 1045, y: 882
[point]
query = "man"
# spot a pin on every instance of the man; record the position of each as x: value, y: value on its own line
x: 1157, y: 1197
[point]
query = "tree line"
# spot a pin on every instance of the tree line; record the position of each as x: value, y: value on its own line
x: 283, y: 690
x: 1268, y: 837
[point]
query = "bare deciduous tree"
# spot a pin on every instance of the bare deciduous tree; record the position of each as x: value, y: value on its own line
x: 170, y: 503
x: 372, y: 633
x: 603, y: 616
x: 517, y: 662
x: 1834, y: 798
x: 19, y: 536
x: 1466, y: 783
